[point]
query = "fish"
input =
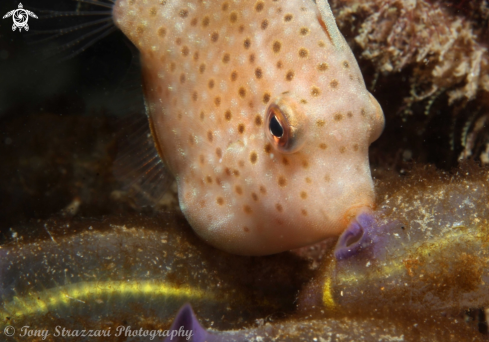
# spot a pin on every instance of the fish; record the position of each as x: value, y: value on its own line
x: 260, y: 112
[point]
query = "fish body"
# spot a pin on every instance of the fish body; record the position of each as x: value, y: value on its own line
x: 260, y: 111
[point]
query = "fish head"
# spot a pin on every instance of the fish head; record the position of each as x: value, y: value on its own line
x: 260, y: 111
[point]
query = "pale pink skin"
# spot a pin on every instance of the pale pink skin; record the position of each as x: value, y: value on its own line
x: 237, y: 190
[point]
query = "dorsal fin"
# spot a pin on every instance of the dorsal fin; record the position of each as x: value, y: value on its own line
x: 330, y: 22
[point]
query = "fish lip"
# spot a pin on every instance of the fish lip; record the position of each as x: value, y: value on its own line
x: 355, y: 237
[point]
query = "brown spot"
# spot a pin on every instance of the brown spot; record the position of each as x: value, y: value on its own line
x: 349, y: 114
x: 279, y: 207
x: 205, y: 21
x: 202, y: 204
x: 321, y: 43
x: 214, y: 37
x: 202, y: 116
x: 303, y: 194
x: 290, y: 75
x: 254, y: 196
x: 225, y: 58
x: 363, y: 112
x: 303, y: 53
x: 228, y: 171
x: 276, y: 46
x: 327, y: 178
x: 338, y: 117
x: 266, y: 97
x: 173, y: 66
x: 263, y: 190
x: 227, y: 115
x: 247, y: 209
x: 264, y: 24
x: 194, y: 96
x: 253, y: 157
x: 201, y: 159
x: 285, y: 161
x: 320, y: 123
x: 305, y: 164
x: 218, y: 153
x: 247, y: 43
x: 242, y: 92
x: 220, y: 200
x: 258, y: 73
x: 315, y: 91
x: 246, y: 229
x: 304, y: 31
x: 210, y: 137
x: 288, y: 17
x: 208, y: 179
x: 234, y: 76
x: 252, y: 58
x: 334, y: 84
x: 323, y: 146
x: 182, y: 78
x: 233, y: 17
x: 178, y: 41
x: 225, y: 6
x: 193, y: 22
x: 308, y: 180
x: 304, y: 212
x: 202, y: 68
x: 139, y: 30
x: 185, y: 51
x: 258, y: 120
x: 355, y: 147
x: 241, y: 28
x: 342, y: 149
x: 161, y: 32
x: 241, y: 128
x: 183, y: 13
x: 345, y: 64
x: 267, y: 148
x: 241, y: 163
x: 279, y: 65
x: 236, y: 173
x: 322, y: 66
x: 282, y: 181
x: 210, y: 84
x: 259, y: 6
x: 217, y: 101
x: 238, y: 190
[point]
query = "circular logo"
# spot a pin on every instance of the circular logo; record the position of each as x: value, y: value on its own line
x: 9, y: 330
x: 20, y: 17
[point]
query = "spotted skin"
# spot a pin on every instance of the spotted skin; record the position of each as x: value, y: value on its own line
x: 211, y: 71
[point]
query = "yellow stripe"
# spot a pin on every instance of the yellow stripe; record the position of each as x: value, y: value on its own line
x: 37, y: 303
x: 328, y: 300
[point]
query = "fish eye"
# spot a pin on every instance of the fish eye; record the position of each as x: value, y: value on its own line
x: 275, y: 127
x: 285, y: 125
